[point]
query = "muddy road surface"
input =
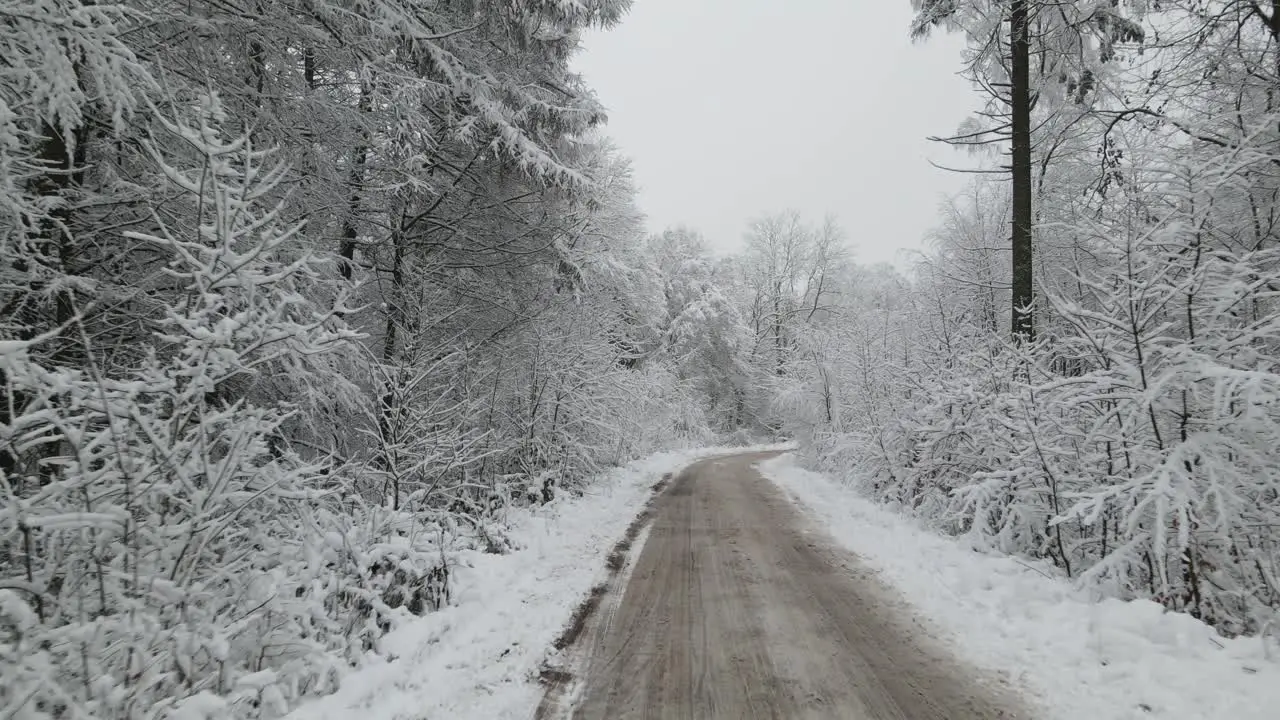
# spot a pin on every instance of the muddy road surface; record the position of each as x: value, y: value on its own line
x: 738, y: 606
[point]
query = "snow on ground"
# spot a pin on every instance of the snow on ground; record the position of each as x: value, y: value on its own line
x: 1108, y: 660
x: 479, y: 658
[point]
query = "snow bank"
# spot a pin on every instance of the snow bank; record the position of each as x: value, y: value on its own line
x: 1107, y: 660
x: 479, y: 658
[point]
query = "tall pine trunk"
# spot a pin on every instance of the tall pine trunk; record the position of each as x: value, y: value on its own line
x: 1023, y: 326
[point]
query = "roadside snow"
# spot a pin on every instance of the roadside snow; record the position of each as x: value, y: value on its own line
x: 1107, y: 660
x: 479, y: 658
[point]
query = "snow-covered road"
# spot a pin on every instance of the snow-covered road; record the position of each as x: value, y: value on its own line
x: 739, y: 606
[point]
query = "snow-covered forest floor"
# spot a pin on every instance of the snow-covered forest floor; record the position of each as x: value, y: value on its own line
x: 1076, y: 655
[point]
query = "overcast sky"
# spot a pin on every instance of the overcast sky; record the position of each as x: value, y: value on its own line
x: 731, y: 109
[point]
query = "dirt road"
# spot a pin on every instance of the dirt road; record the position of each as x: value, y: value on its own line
x: 738, y: 607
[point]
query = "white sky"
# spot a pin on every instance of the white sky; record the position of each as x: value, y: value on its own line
x: 731, y: 109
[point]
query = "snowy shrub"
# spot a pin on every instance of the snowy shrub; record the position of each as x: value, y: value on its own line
x: 153, y: 522
x: 1136, y: 445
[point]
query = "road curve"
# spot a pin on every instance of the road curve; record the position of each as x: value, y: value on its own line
x: 738, y: 607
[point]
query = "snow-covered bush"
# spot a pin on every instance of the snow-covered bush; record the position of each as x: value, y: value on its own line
x: 1136, y: 445
x: 153, y: 524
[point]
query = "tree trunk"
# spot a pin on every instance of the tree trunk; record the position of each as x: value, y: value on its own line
x: 780, y: 355
x: 394, y: 299
x: 347, y: 248
x: 62, y: 161
x: 1023, y: 326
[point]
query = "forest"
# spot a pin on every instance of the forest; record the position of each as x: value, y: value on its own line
x: 297, y: 296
